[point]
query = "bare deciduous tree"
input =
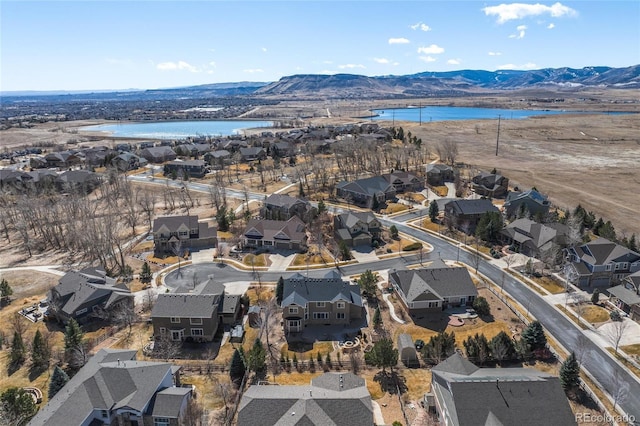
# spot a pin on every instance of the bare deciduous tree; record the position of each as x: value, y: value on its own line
x: 448, y: 151
x: 616, y: 332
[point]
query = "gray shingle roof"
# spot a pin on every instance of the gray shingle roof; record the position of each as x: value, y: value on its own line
x: 436, y: 281
x: 174, y: 222
x: 324, y: 402
x: 185, y: 305
x: 508, y: 396
x: 471, y: 207
x: 167, y: 402
x: 281, y: 200
x: 300, y: 290
x: 369, y: 186
x: 111, y: 379
x: 291, y: 230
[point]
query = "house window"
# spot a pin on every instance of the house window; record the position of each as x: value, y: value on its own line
x: 293, y: 310
x: 608, y: 267
x: 197, y: 332
x: 340, y: 315
x: 320, y: 304
x: 175, y: 320
x: 183, y: 233
x: 306, y: 315
x: 340, y: 305
x: 617, y: 266
x: 195, y: 321
x: 177, y: 335
x: 104, y: 414
x: 163, y: 330
x: 321, y: 315
x: 81, y: 311
x: 433, y: 304
x: 160, y: 421
x: 268, y: 243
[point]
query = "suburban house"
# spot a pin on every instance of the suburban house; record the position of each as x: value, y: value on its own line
x: 532, y: 202
x: 433, y: 288
x: 63, y: 159
x: 490, y: 185
x: 128, y: 161
x: 627, y: 295
x: 190, y: 168
x: 192, y: 149
x: 465, y: 214
x: 289, y: 235
x: 403, y: 181
x: 253, y: 153
x: 172, y: 234
x: 319, y: 301
x: 89, y: 292
x: 331, y: 399
x: 438, y: 174
x: 464, y: 395
x: 282, y: 149
x: 370, y: 192
x: 195, y: 313
x: 158, y: 154
x: 114, y: 388
x: 218, y: 159
x: 284, y: 207
x: 600, y: 263
x: 533, y: 239
x: 81, y: 181
x: 356, y: 228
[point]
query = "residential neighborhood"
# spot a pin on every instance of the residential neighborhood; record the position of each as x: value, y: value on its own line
x: 262, y: 281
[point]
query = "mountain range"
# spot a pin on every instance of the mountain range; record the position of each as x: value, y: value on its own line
x: 451, y: 83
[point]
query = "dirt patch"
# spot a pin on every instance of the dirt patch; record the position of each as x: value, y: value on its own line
x: 29, y: 283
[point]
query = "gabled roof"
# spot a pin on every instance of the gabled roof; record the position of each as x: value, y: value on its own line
x: 629, y: 297
x: 523, y: 230
x: 168, y: 402
x: 531, y: 194
x: 369, y: 186
x: 436, y: 281
x: 281, y: 200
x: 174, y: 222
x: 331, y: 399
x: 404, y: 177
x: 602, y: 251
x: 472, y: 207
x: 185, y: 305
x: 292, y: 229
x: 499, y: 396
x: 111, y: 379
x: 437, y: 168
x: 350, y: 219
x: 299, y: 290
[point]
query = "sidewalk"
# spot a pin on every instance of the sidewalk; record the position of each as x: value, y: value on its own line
x: 280, y: 262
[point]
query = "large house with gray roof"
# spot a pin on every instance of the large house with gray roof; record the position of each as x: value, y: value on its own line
x: 283, y: 207
x: 319, y: 301
x: 600, y: 263
x: 369, y: 192
x: 83, y: 294
x: 465, y: 215
x: 172, y: 234
x: 463, y: 394
x: 194, y: 314
x: 532, y: 202
x: 433, y: 288
x: 533, y: 239
x: 356, y: 228
x: 288, y: 235
x: 331, y: 399
x: 626, y: 296
x: 490, y: 185
x: 113, y: 388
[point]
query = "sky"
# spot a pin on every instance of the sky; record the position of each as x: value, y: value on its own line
x: 116, y: 45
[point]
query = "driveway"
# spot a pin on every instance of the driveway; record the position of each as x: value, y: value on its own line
x: 202, y: 256
x: 364, y: 254
x: 280, y: 262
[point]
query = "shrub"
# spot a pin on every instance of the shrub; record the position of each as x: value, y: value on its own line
x: 412, y: 246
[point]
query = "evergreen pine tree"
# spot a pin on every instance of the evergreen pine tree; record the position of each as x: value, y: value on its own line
x: 280, y: 290
x: 58, y: 379
x: 633, y: 244
x: 145, y: 273
x: 595, y: 297
x: 237, y: 369
x: 570, y: 373
x: 377, y: 318
x: 18, y: 351
x: 534, y: 336
x: 40, y: 352
x: 5, y: 291
x: 74, y: 344
x: 256, y: 357
x: 433, y: 210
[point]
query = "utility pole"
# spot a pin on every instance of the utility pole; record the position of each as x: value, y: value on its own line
x: 498, y: 138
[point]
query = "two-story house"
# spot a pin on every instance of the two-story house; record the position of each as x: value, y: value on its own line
x: 532, y: 202
x: 190, y: 168
x: 438, y: 174
x: 158, y: 154
x: 113, y: 388
x: 83, y: 294
x: 356, y: 228
x: 433, y: 288
x: 464, y: 215
x: 283, y: 207
x: 319, y: 301
x: 172, y: 234
x: 490, y: 185
x: 626, y: 296
x: 600, y: 263
x: 404, y: 181
x: 533, y: 239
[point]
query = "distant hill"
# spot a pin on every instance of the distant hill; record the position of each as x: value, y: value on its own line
x: 450, y: 83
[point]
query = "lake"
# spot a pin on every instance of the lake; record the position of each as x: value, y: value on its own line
x: 177, y: 129
x: 446, y: 113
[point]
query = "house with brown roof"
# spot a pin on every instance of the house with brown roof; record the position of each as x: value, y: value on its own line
x: 173, y: 234
x: 289, y: 235
x: 600, y: 263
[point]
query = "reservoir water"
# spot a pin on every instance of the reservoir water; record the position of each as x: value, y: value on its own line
x: 177, y: 129
x: 446, y: 113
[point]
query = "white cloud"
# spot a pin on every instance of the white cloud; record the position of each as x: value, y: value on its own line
x: 428, y: 58
x: 253, y: 70
x: 264, y: 49
x: 512, y: 11
x: 551, y: 26
x: 381, y: 60
x: 453, y: 62
x: 350, y: 66
x: 527, y: 66
x: 400, y: 40
x: 495, y: 53
x: 212, y: 64
x: 521, y: 31
x: 420, y: 26
x: 175, y: 66
x: 327, y: 62
x: 434, y: 49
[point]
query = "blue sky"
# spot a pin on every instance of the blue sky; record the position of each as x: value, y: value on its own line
x: 94, y: 45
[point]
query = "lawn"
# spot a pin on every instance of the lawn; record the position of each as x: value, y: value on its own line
x: 549, y: 284
x: 253, y: 260
x: 313, y: 257
x: 394, y: 208
x: 572, y: 316
x: 595, y: 314
x: 441, y: 191
x: 631, y: 349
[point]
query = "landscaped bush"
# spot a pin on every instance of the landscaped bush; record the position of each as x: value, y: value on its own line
x: 412, y: 246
